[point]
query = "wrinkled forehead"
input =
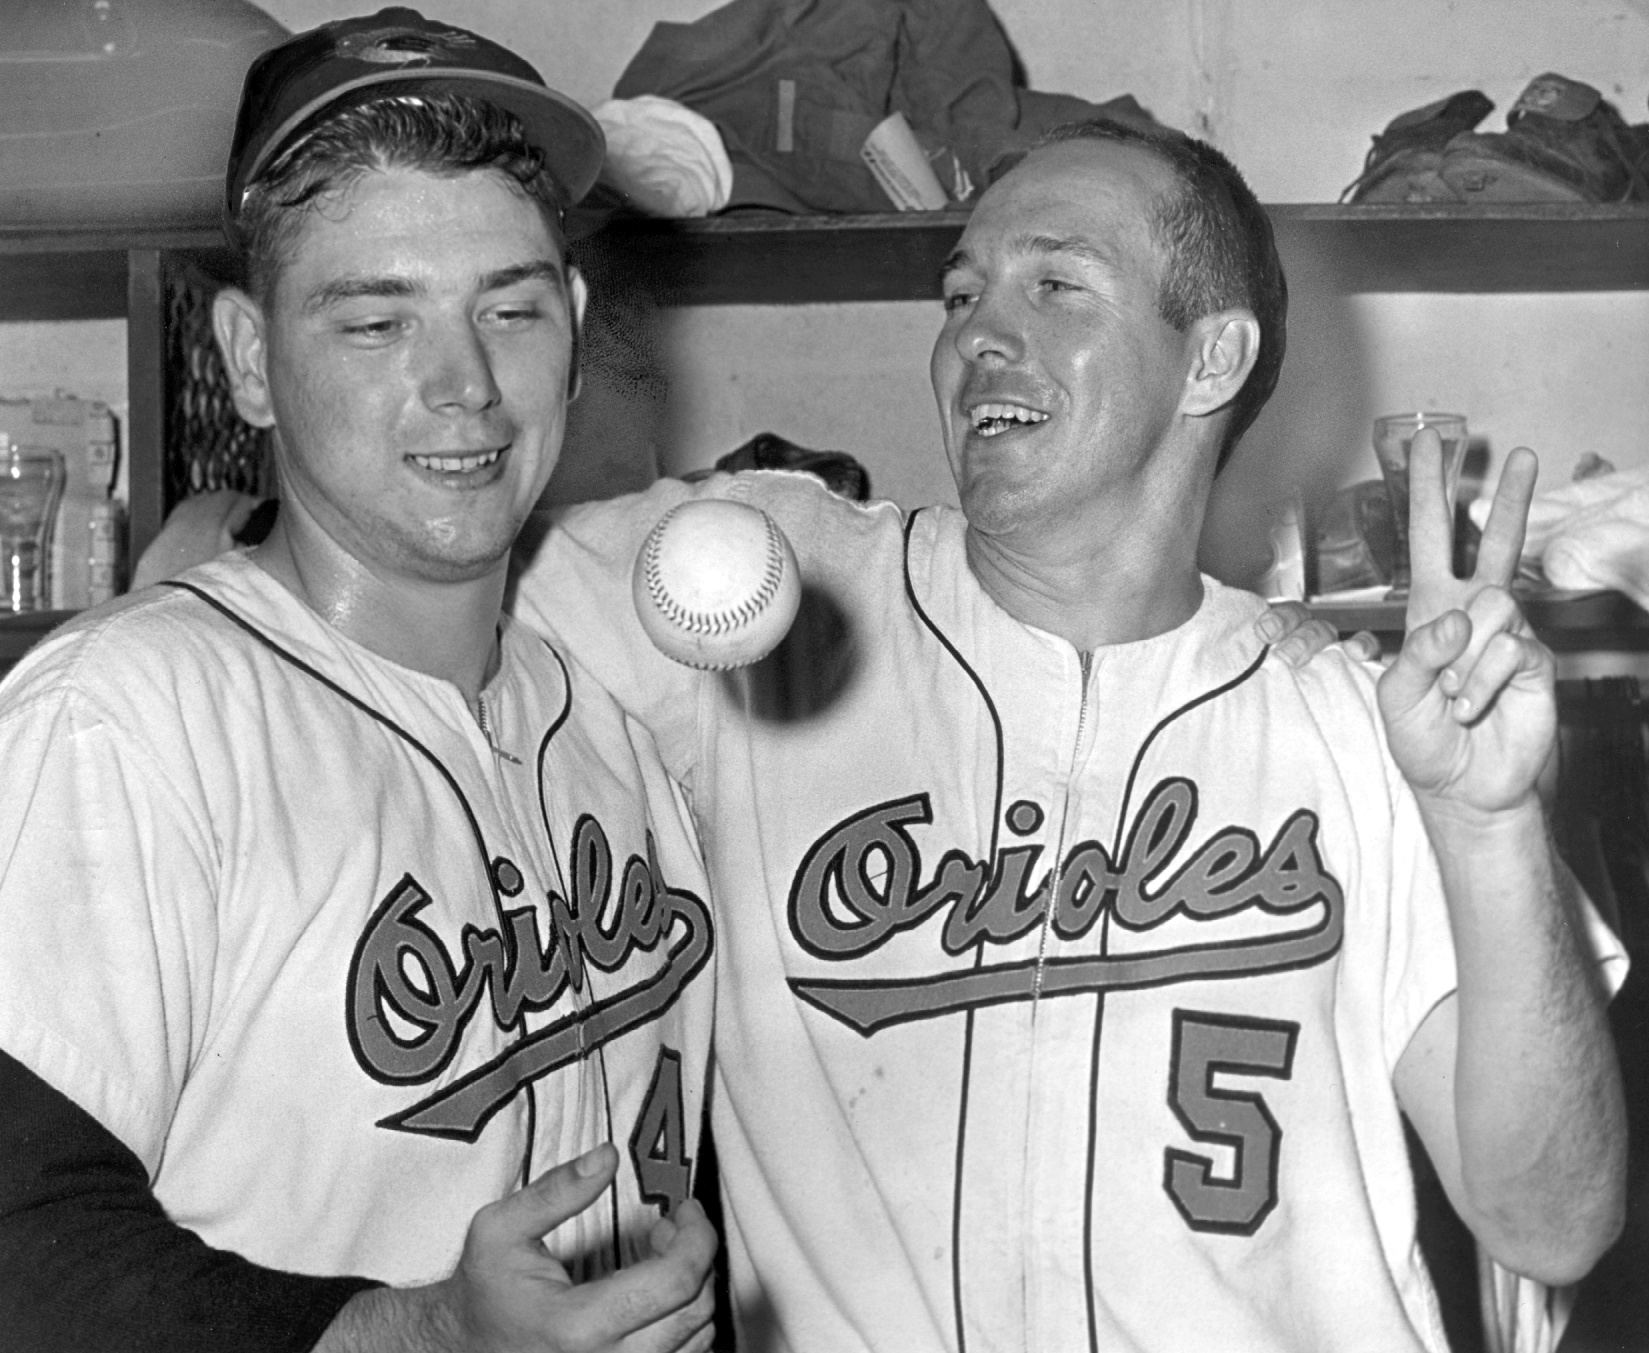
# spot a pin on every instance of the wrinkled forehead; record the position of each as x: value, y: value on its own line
x: 1100, y: 196
x: 439, y: 203
x: 408, y: 232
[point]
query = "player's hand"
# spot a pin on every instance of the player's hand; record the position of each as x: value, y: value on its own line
x: 510, y: 1294
x: 1470, y: 703
x: 1296, y: 636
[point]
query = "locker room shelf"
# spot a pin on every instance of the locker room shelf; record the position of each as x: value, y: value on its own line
x: 84, y: 274
x: 769, y: 259
x: 785, y: 260
x: 18, y: 633
x: 780, y: 260
x: 108, y: 274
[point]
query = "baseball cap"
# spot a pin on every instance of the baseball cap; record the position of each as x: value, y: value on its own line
x: 398, y: 51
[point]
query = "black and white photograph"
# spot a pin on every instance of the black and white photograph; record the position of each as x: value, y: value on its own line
x: 824, y: 676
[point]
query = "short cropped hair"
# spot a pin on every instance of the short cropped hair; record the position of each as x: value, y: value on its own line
x: 1218, y: 252
x: 436, y: 133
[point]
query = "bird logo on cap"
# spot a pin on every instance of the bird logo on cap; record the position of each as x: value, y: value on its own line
x: 404, y: 46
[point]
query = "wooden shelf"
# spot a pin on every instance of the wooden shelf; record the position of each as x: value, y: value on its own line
x: 113, y: 274
x: 762, y: 259
x: 1567, y: 622
x: 896, y: 256
x: 778, y: 260
x: 782, y: 260
x: 85, y: 274
x: 19, y: 633
x: 1534, y: 247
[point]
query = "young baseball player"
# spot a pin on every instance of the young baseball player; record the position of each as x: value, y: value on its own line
x: 356, y: 958
x: 1079, y: 960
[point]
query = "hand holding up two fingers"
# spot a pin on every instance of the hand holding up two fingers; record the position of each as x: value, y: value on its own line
x: 1470, y: 702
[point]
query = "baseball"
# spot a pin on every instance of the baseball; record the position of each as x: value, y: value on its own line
x: 715, y: 584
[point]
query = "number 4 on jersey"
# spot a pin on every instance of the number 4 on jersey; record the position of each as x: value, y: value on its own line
x: 658, y: 1146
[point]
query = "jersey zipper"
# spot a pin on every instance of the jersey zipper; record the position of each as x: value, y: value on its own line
x: 1056, y: 873
x: 486, y: 731
x: 1057, y: 870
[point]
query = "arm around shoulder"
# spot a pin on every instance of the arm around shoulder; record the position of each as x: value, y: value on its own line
x: 571, y: 581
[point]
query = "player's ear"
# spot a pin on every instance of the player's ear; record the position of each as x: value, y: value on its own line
x: 238, y: 325
x: 579, y: 291
x: 1223, y: 349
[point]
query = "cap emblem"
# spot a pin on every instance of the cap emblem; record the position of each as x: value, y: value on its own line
x: 401, y: 46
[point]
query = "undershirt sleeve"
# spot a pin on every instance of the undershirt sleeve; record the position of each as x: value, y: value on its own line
x: 90, y: 1260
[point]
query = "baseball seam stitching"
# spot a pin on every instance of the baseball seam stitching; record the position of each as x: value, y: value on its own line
x: 713, y: 622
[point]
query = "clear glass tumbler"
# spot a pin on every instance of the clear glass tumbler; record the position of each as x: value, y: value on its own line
x: 1394, y: 434
x: 31, y: 483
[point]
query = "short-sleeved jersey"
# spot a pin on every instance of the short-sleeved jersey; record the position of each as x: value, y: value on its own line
x: 1060, y: 992
x: 340, y: 958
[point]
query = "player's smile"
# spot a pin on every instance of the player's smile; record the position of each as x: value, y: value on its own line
x: 994, y: 418
x: 462, y: 469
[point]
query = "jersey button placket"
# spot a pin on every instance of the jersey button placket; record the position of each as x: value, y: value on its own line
x: 1056, y: 1110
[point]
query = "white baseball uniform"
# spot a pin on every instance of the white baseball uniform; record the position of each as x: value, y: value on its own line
x: 1059, y: 993
x: 338, y: 959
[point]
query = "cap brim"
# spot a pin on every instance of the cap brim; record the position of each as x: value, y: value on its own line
x: 563, y: 131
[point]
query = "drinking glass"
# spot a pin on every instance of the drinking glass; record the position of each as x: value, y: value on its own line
x: 31, y: 482
x: 1394, y: 434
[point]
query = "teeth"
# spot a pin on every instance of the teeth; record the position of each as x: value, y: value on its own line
x: 991, y: 419
x: 456, y: 464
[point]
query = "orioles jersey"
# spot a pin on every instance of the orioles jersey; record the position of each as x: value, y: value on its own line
x: 1060, y: 993
x: 338, y: 957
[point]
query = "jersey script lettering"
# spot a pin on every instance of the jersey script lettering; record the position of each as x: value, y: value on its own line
x: 861, y: 883
x: 406, y: 1032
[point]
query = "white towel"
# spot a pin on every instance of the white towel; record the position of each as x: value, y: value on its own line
x: 1590, y: 534
x: 667, y: 159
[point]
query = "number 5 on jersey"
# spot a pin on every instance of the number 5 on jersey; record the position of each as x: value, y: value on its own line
x: 1206, y: 1045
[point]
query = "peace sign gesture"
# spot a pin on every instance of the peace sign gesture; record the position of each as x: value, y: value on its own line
x: 1470, y: 704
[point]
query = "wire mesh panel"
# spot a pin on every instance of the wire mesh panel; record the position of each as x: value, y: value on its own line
x: 208, y: 444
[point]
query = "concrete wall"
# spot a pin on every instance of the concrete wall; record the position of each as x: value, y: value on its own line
x: 1293, y: 90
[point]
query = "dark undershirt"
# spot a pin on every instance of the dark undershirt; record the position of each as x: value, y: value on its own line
x: 89, y: 1260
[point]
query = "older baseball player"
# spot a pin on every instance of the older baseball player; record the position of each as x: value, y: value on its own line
x: 1080, y: 960
x: 345, y: 923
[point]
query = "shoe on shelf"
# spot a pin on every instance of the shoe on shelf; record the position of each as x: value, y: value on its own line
x: 1403, y: 163
x: 1564, y: 142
